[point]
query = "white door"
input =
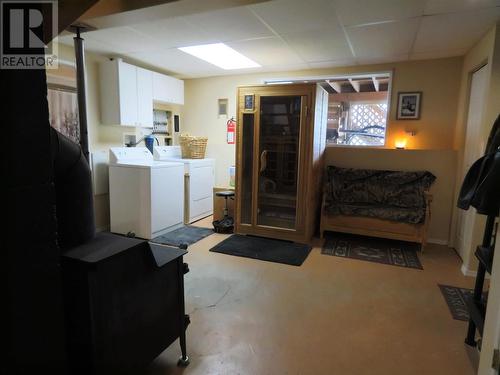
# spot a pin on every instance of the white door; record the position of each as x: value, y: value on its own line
x: 472, y: 151
x: 127, y: 76
x: 145, y: 97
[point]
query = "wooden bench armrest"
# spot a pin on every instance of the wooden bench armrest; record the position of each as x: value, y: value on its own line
x: 428, y: 197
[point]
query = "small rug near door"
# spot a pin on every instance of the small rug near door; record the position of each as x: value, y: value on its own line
x: 264, y: 249
x: 188, y: 235
x: 455, y: 299
x: 378, y: 250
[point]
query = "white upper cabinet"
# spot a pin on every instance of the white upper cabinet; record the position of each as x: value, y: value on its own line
x: 126, y: 94
x: 167, y: 89
x: 145, y: 97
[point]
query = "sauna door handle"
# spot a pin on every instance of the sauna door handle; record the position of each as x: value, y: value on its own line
x: 263, y: 161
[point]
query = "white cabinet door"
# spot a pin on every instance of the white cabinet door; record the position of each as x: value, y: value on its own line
x: 167, y: 89
x: 178, y: 91
x: 127, y: 91
x: 144, y: 98
x: 160, y: 87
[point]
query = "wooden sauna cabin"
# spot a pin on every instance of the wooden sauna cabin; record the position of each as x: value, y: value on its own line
x: 280, y: 149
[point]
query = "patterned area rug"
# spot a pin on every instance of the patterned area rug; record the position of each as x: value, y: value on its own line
x: 378, y: 250
x: 188, y: 235
x: 455, y: 299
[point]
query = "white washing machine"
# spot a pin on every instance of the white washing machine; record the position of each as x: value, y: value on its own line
x: 199, y: 179
x: 146, y: 196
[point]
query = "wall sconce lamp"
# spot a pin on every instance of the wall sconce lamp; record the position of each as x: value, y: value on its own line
x: 400, y: 144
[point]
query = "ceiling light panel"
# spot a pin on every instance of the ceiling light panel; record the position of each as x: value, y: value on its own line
x: 220, y: 55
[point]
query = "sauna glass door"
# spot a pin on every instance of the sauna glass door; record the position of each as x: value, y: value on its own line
x: 278, y: 160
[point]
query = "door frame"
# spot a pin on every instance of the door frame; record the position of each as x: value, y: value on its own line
x: 307, y: 91
x: 462, y: 216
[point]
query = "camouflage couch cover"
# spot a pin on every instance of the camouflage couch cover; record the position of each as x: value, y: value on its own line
x: 390, y: 195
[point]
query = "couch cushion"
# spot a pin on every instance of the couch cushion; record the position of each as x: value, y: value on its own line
x: 391, y: 195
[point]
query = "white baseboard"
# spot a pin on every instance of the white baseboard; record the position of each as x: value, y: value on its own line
x: 472, y: 273
x: 467, y: 272
x: 437, y: 241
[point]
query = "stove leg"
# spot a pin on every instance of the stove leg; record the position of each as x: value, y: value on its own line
x: 184, y: 359
x: 471, y: 334
x: 183, y: 319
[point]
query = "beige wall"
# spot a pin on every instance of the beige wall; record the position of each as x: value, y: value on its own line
x: 486, y: 51
x: 442, y: 163
x: 439, y: 80
x: 101, y: 136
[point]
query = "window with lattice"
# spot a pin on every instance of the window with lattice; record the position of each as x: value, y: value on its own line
x: 367, y: 124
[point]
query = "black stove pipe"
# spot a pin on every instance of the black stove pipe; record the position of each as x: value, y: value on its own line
x: 80, y: 87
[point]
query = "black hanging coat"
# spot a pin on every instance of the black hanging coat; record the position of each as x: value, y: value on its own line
x: 481, y: 186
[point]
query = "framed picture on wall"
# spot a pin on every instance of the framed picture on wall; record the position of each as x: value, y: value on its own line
x: 63, y: 103
x: 409, y: 105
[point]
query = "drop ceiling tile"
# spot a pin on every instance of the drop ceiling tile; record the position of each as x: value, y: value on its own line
x: 386, y: 39
x: 175, y: 32
x: 288, y: 16
x: 267, y: 51
x: 122, y: 40
x: 186, y: 66
x: 382, y: 59
x: 333, y: 63
x: 285, y: 68
x: 176, y: 61
x: 449, y: 6
x: 454, y: 31
x: 230, y: 24
x: 320, y: 45
x: 437, y: 54
x: 91, y: 45
x: 369, y: 11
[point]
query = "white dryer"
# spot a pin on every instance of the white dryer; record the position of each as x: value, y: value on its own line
x: 146, y: 197
x: 199, y: 179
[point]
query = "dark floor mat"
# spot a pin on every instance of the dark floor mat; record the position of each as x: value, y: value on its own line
x: 455, y: 299
x: 188, y: 235
x: 377, y: 250
x: 264, y: 249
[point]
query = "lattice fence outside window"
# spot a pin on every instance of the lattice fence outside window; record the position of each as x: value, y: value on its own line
x: 367, y: 124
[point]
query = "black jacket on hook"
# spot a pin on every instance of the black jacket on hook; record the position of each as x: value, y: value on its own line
x: 481, y: 186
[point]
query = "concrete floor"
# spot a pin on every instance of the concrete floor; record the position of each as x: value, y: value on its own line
x: 329, y: 316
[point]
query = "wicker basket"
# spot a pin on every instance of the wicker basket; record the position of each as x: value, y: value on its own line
x: 193, y: 147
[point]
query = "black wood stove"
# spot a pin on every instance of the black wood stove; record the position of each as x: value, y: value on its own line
x: 124, y: 304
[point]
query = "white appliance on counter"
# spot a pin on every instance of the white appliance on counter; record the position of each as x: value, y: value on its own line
x: 145, y: 196
x: 199, y: 179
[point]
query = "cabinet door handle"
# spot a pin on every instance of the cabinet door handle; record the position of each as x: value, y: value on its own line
x: 263, y: 161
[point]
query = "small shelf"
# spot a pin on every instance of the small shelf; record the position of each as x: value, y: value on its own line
x: 485, y: 256
x: 276, y: 221
x: 477, y: 312
x: 275, y: 204
x: 280, y: 114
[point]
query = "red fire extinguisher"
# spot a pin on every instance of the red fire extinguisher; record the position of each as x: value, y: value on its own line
x: 231, y: 130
